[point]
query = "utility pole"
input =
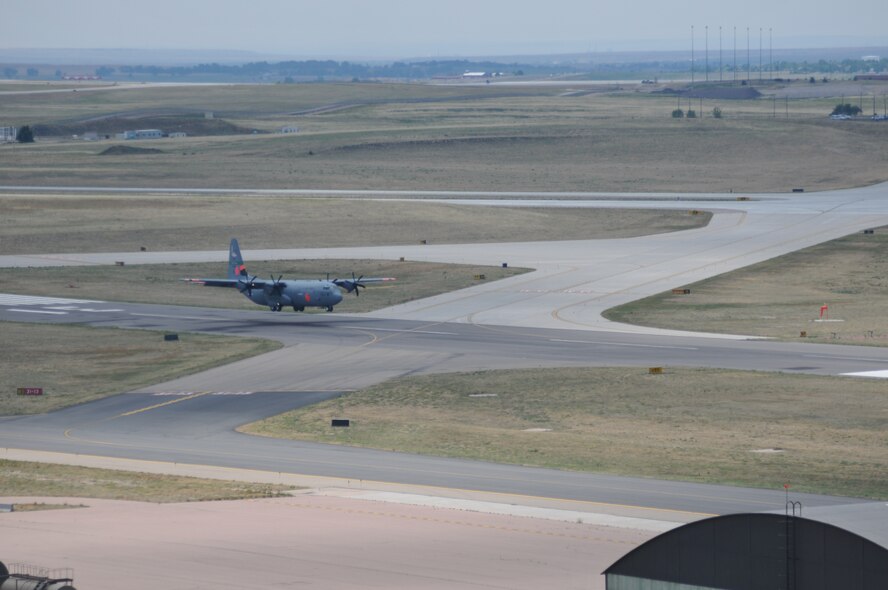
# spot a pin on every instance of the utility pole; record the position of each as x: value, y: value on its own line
x: 735, y: 54
x: 692, y: 55
x: 706, y: 28
x: 770, y: 54
x: 748, y: 63
x: 760, y: 55
x: 720, y: 53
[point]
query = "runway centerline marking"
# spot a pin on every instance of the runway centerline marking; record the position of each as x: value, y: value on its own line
x: 846, y: 358
x: 160, y: 405
x: 623, y: 344
x: 414, y: 331
x: 183, y: 317
x: 39, y: 311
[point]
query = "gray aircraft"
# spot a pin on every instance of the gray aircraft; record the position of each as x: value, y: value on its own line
x: 276, y: 293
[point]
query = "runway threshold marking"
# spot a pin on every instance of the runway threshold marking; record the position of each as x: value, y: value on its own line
x: 166, y: 403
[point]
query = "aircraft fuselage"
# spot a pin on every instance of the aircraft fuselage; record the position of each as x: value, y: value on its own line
x: 298, y: 294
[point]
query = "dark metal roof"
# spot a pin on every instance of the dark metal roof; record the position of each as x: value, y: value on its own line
x: 764, y: 550
x: 869, y: 520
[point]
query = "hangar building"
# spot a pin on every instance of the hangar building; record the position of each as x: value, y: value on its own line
x: 831, y: 547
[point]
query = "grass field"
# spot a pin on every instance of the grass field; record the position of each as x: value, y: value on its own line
x: 32, y: 224
x: 415, y: 137
x: 23, y: 479
x: 829, y: 434
x: 160, y: 283
x: 782, y: 297
x: 75, y: 364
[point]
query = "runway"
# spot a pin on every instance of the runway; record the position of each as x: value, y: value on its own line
x: 550, y: 317
x: 192, y: 419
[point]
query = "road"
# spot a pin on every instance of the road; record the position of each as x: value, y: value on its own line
x: 550, y: 317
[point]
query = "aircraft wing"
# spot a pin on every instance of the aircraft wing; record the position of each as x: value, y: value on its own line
x: 350, y: 284
x: 240, y: 283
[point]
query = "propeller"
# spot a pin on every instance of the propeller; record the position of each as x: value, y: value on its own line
x: 248, y: 285
x: 276, y: 284
x: 357, y: 285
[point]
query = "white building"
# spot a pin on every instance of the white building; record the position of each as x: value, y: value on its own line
x: 148, y: 134
x: 8, y: 134
x: 177, y: 134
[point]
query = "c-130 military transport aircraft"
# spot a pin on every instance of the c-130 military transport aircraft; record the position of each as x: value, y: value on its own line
x: 276, y: 293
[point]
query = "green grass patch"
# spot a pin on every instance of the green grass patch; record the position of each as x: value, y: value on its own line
x: 699, y: 425
x: 22, y: 479
x: 75, y: 364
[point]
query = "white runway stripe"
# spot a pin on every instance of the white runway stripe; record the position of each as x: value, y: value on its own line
x: 877, y: 374
x: 9, y: 299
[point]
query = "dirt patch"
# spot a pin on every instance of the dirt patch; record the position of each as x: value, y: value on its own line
x: 123, y: 150
x: 714, y: 92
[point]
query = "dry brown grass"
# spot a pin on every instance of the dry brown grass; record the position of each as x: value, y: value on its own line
x: 605, y: 142
x: 159, y: 283
x: 23, y: 479
x: 75, y: 364
x: 782, y: 297
x: 52, y: 224
x: 696, y: 425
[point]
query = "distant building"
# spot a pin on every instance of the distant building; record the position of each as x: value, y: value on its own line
x: 141, y: 134
x: 476, y: 75
x: 871, y: 58
x: 148, y: 134
x: 178, y: 134
x: 289, y: 129
x: 8, y: 134
x: 91, y: 136
x: 877, y: 77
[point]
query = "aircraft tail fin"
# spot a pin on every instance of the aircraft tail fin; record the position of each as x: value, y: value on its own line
x: 236, y: 267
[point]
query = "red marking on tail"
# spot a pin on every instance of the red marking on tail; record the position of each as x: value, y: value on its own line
x: 240, y: 270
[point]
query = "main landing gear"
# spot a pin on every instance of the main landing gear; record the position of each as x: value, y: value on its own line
x: 275, y: 307
x: 296, y: 308
x: 329, y: 308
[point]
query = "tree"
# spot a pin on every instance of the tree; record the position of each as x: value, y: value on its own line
x: 677, y: 114
x: 717, y: 113
x: 32, y: 72
x: 10, y: 72
x: 846, y: 109
x: 691, y: 114
x: 25, y: 135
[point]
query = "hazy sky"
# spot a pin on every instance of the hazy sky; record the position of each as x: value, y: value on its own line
x: 415, y: 28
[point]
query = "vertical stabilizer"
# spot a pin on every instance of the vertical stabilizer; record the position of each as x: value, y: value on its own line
x: 236, y: 268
